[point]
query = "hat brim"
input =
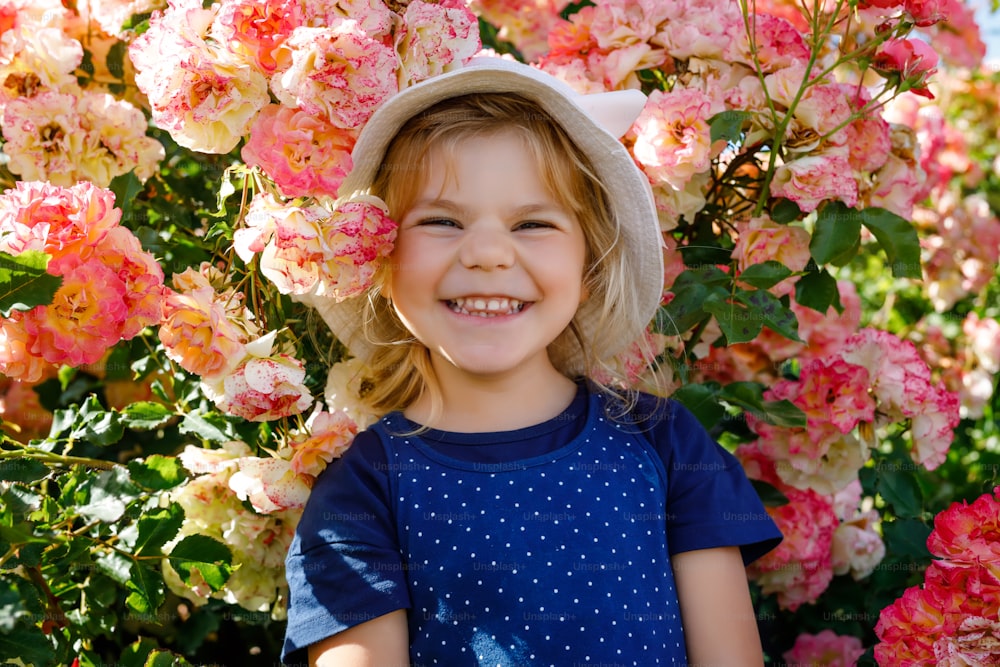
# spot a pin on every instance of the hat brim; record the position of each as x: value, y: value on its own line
x: 585, y: 118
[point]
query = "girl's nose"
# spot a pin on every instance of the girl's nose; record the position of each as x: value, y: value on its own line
x: 487, y: 249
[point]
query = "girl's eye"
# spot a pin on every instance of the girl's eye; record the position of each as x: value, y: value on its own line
x: 445, y: 222
x: 534, y: 224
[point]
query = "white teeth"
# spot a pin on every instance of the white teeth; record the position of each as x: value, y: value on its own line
x: 486, y: 307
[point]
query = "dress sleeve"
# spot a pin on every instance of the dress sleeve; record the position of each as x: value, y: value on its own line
x: 344, y: 565
x: 710, y: 501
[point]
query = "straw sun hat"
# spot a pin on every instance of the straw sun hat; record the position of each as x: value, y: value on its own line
x: 593, y: 122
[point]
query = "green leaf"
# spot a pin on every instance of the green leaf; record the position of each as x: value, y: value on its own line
x: 136, y: 653
x: 728, y: 125
x: 198, y: 425
x: 157, y: 528
x: 738, y: 324
x: 108, y: 494
x: 29, y: 644
x: 115, y: 565
x: 166, y: 659
x: 115, y: 60
x: 898, y: 239
x: 24, y: 283
x: 702, y: 401
x: 146, y: 416
x: 22, y: 470
x: 157, y: 472
x: 784, y: 413
x: 146, y: 590
x: 126, y: 187
x: 777, y: 316
x: 97, y: 425
x: 907, y: 538
x: 764, y: 275
x: 211, y: 558
x: 837, y: 235
x: 897, y: 484
x: 818, y: 290
x: 785, y: 211
x: 769, y: 494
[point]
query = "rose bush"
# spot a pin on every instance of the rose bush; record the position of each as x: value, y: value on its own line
x: 828, y: 193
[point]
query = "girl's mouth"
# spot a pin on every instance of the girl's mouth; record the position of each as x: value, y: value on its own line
x: 485, y: 306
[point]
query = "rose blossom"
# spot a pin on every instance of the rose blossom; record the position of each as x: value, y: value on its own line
x: 700, y: 29
x: 142, y: 276
x: 290, y: 240
x: 779, y: 44
x: 760, y: 239
x: 197, y: 332
x: 527, y: 28
x: 800, y: 568
x: 304, y: 155
x: 912, y: 61
x: 255, y: 30
x: 337, y: 72
x: 16, y: 358
x: 672, y: 140
x: 984, y: 340
x: 969, y: 533
x: 811, y: 180
x: 86, y: 316
x: 200, y: 93
x: 826, y: 649
x: 359, y: 234
x: 270, y: 484
x: 329, y: 436
x: 435, y: 39
x: 823, y: 456
x: 857, y: 548
x: 263, y: 387
x: 346, y: 386
x: 57, y: 221
x: 901, y: 385
x: 868, y: 138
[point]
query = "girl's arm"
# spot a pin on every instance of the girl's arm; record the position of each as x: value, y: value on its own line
x: 380, y: 642
x: 720, y: 625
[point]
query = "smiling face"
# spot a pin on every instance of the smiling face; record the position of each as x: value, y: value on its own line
x: 488, y: 266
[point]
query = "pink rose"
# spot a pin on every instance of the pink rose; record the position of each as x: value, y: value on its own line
x: 86, y: 317
x: 57, y: 221
x: 17, y: 361
x: 264, y: 386
x: 199, y: 92
x: 329, y: 436
x: 142, y: 276
x: 290, y: 240
x: 526, y: 30
x: 911, y: 61
x: 255, y: 30
x: 826, y: 649
x: 198, y: 333
x: 672, y: 140
x: 779, y: 44
x: 969, y: 533
x: 799, y: 569
x: 303, y: 154
x: 902, y: 388
x: 270, y: 484
x: 337, y: 72
x: 898, y: 186
x: 760, y: 240
x: 811, y: 180
x: 359, y: 234
x: 857, y: 548
x: 868, y: 137
x: 435, y: 39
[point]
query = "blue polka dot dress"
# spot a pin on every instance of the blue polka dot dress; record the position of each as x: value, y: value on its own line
x: 554, y: 560
x: 544, y: 546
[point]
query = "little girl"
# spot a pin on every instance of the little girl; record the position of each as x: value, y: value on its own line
x: 515, y: 506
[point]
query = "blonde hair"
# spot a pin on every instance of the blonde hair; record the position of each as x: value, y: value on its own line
x: 400, y: 367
